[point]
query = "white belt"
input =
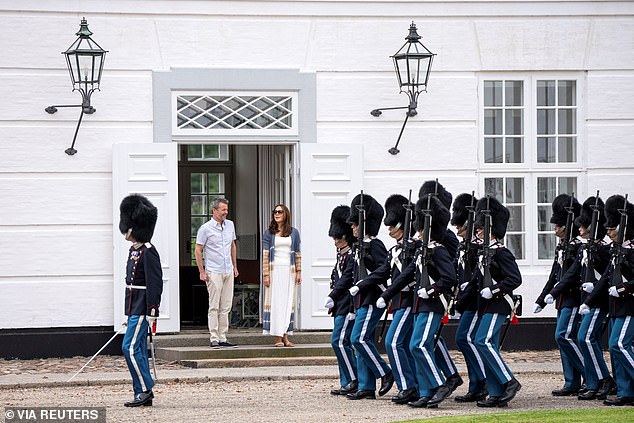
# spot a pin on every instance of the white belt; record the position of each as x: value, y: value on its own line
x: 136, y: 287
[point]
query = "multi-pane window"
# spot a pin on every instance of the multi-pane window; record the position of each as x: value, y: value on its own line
x: 529, y: 132
x: 208, y: 152
x: 205, y: 187
x: 510, y: 192
x: 556, y: 121
x: 503, y: 121
x: 547, y: 189
x: 222, y: 113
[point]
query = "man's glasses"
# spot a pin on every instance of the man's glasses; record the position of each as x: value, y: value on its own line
x: 278, y: 211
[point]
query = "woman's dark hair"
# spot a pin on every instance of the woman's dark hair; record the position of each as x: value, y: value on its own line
x: 286, y: 227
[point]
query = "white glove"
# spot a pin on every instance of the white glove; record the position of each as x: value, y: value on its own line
x: 613, y: 292
x: 588, y: 287
x: 549, y: 299
x: 354, y: 290
x: 330, y: 303
x: 380, y: 303
x: 423, y: 293
x: 457, y: 315
x: 537, y: 308
x: 464, y: 285
x: 350, y: 316
x: 125, y: 321
x: 584, y: 309
x: 151, y: 321
x: 486, y: 293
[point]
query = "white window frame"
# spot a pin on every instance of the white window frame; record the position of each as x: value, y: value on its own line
x: 188, y: 133
x: 530, y: 170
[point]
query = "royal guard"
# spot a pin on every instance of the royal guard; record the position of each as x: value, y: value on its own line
x: 143, y: 289
x: 619, y: 280
x: 339, y: 301
x: 466, y: 302
x: 369, y: 253
x: 399, y: 225
x: 591, y: 263
x: 434, y: 277
x: 450, y: 241
x: 567, y: 294
x: 498, y: 276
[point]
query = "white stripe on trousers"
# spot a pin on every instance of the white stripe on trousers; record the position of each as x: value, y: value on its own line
x: 397, y: 333
x: 597, y: 369
x: 496, y: 356
x: 368, y: 316
x: 445, y: 355
x: 430, y: 362
x: 131, y: 352
x: 625, y: 353
x: 574, y: 346
x: 472, y: 345
x: 344, y: 354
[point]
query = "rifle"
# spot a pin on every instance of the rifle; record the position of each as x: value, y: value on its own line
x: 617, y: 249
x: 487, y: 282
x: 408, y: 253
x: 592, y: 242
x: 567, y: 237
x: 425, y: 255
x: 468, y: 248
x: 362, y: 271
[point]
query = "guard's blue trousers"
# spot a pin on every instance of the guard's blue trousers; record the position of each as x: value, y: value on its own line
x: 397, y: 346
x: 566, y: 330
x: 340, y: 341
x: 465, y: 336
x: 134, y: 350
x: 428, y: 375
x: 370, y: 364
x: 622, y: 354
x: 487, y: 342
x: 589, y: 341
x: 443, y: 359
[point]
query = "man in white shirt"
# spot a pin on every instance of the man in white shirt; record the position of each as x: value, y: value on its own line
x: 218, y: 240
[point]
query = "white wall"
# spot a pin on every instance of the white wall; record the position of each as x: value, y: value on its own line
x: 55, y: 216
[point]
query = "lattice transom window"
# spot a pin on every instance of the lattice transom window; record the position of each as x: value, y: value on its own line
x: 235, y: 113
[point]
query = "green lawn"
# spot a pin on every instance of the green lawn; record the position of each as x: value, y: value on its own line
x: 599, y: 415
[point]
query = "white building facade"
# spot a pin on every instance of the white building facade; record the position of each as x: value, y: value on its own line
x: 268, y: 101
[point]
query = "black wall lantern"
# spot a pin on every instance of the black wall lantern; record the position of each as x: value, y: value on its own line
x: 84, y: 59
x: 412, y: 64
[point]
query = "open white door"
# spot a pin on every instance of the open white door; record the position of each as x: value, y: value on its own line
x: 330, y: 175
x: 150, y: 170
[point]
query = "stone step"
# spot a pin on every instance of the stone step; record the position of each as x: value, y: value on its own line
x: 260, y: 362
x: 243, y: 351
x: 200, y: 338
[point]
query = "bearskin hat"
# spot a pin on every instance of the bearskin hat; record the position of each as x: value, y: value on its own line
x: 560, y: 211
x: 585, y: 217
x: 499, y: 216
x: 613, y: 216
x: 138, y: 214
x: 339, y: 228
x: 373, y: 214
x: 460, y: 213
x: 439, y: 217
x: 429, y: 187
x: 394, y: 210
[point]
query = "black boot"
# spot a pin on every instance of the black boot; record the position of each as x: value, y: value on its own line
x: 441, y: 393
x: 350, y: 388
x: 511, y: 388
x: 492, y: 402
x: 386, y: 384
x: 403, y: 397
x: 454, y: 381
x: 144, y: 398
x: 362, y: 394
x: 619, y: 401
x: 606, y: 386
x: 419, y: 403
x: 565, y: 392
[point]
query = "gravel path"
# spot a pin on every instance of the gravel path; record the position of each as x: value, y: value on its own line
x: 273, y: 401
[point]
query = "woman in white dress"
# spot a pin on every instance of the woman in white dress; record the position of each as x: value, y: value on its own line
x: 282, y: 272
